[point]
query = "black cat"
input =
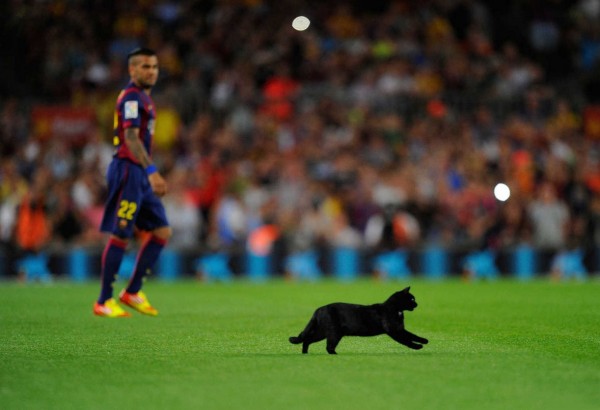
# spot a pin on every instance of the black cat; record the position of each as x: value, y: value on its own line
x: 336, y: 320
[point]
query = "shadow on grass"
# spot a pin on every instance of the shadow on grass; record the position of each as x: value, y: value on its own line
x: 323, y: 354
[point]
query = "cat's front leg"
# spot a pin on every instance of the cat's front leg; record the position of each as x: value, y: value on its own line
x: 403, y: 337
x: 416, y: 338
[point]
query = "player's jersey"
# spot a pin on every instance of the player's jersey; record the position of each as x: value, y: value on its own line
x: 135, y: 109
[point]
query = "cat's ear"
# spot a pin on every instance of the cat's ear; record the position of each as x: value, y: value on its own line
x: 406, y: 290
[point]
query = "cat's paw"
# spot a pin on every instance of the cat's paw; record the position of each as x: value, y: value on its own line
x: 417, y: 347
x: 424, y: 341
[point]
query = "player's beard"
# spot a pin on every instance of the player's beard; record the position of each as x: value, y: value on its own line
x: 146, y: 82
x: 146, y: 85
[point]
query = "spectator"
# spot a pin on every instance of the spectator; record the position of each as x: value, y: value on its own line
x: 183, y: 215
x: 34, y: 228
x: 549, y: 218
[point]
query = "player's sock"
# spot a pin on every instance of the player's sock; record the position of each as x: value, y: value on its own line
x: 111, y: 261
x: 146, y: 259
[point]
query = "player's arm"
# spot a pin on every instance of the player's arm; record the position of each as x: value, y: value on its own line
x: 158, y: 184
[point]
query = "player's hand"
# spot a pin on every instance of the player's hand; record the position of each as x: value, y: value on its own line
x: 158, y: 184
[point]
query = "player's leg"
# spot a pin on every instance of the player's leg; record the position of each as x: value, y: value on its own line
x: 118, y: 220
x: 147, y: 257
x: 133, y: 295
x: 110, y: 263
x: 152, y: 217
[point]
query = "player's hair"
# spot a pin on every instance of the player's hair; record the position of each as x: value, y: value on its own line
x: 140, y: 51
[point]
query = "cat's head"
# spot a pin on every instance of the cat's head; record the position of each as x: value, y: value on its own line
x: 402, y: 300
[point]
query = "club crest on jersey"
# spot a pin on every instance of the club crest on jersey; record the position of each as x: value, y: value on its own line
x: 122, y: 224
x: 131, y: 109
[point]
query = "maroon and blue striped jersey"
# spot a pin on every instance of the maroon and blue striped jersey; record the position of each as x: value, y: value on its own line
x: 135, y: 109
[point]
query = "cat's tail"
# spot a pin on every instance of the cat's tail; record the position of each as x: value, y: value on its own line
x: 308, y: 331
x: 296, y: 339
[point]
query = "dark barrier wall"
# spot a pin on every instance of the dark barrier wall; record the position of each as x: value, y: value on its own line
x: 433, y: 262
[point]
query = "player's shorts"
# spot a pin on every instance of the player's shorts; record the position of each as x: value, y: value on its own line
x: 131, y: 202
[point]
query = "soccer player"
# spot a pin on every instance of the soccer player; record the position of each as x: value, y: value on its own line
x: 134, y: 190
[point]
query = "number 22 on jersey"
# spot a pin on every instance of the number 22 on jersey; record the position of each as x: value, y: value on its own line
x: 126, y: 210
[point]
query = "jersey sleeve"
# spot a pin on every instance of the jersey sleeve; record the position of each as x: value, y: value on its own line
x: 131, y: 110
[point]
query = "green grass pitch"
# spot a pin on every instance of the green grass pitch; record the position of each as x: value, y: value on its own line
x: 499, y: 345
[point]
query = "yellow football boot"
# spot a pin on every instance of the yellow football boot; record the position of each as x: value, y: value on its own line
x: 110, y: 308
x: 139, y: 302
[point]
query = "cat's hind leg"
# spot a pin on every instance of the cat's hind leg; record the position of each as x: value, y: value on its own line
x: 332, y: 342
x: 313, y: 335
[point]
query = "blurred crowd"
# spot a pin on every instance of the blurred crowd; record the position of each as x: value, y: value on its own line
x: 385, y: 124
